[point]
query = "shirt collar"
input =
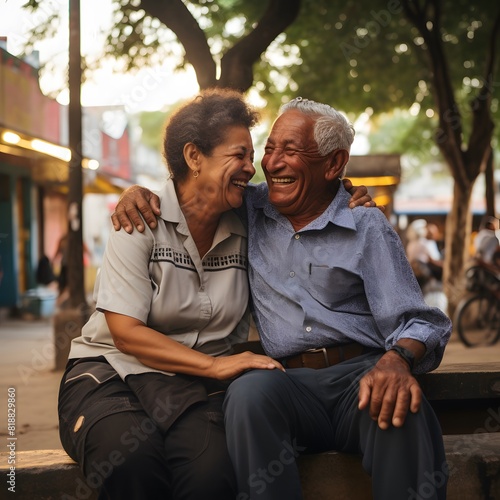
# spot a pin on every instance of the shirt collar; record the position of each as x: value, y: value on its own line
x: 338, y: 212
x: 171, y: 211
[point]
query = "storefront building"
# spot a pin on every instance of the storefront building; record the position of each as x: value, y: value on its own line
x: 34, y: 173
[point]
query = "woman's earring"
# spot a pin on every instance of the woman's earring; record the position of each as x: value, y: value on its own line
x: 196, y: 173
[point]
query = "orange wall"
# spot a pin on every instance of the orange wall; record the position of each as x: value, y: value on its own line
x: 23, y: 107
x: 55, y: 222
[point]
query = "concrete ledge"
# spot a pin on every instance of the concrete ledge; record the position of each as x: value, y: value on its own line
x: 465, y: 397
x: 46, y: 475
x: 474, y: 461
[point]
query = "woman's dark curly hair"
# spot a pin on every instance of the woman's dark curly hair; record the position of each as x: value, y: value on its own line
x: 204, y: 122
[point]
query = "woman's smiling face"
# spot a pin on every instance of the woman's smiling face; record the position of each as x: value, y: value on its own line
x: 225, y: 174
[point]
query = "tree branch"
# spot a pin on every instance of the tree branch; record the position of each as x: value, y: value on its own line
x: 449, y: 135
x: 176, y: 16
x: 237, y: 62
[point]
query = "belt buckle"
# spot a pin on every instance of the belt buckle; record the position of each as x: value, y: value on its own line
x: 323, y: 350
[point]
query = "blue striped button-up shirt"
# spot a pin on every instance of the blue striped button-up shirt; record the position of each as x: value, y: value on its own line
x: 342, y: 278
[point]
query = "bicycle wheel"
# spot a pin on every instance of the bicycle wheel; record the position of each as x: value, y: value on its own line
x: 478, y: 321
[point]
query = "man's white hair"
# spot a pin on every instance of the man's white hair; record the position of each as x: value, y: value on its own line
x: 331, y: 129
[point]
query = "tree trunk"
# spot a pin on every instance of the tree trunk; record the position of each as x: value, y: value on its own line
x: 458, y: 230
x: 236, y: 66
x: 489, y: 181
x: 465, y: 164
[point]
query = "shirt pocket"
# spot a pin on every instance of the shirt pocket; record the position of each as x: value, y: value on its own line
x: 88, y: 416
x: 334, y: 287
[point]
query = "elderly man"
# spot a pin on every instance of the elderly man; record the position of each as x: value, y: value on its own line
x: 335, y: 300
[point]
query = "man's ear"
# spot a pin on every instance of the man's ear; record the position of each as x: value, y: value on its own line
x: 338, y: 161
x: 192, y: 155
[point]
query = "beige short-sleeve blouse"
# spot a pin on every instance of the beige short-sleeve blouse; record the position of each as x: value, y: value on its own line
x: 158, y: 278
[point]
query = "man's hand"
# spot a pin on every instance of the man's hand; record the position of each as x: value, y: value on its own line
x: 360, y: 196
x: 389, y: 390
x: 134, y: 201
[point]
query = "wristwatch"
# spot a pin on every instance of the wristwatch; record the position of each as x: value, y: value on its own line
x: 406, y: 354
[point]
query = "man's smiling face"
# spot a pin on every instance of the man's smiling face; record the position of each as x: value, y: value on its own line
x: 294, y: 170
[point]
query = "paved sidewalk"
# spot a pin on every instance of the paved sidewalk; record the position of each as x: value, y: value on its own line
x: 27, y: 362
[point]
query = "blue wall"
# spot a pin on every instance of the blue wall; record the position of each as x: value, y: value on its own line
x: 15, y: 182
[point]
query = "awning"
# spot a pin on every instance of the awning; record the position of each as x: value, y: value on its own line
x: 53, y: 173
x: 105, y: 184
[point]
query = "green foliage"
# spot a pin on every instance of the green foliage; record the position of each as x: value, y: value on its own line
x: 137, y: 40
x: 352, y: 55
x: 45, y: 30
x: 356, y: 56
x: 400, y: 132
x: 346, y: 57
x: 152, y: 126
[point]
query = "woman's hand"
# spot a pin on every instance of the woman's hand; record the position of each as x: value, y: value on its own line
x: 158, y: 351
x: 360, y: 196
x: 227, y: 367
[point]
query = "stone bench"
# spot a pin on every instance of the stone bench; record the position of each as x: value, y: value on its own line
x: 466, y: 400
x: 474, y: 462
x: 465, y: 397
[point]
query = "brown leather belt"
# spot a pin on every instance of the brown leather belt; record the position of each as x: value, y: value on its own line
x: 324, y: 356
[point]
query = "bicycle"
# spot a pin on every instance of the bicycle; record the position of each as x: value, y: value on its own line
x: 478, y: 316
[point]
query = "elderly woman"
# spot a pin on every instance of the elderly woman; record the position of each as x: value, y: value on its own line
x: 140, y: 400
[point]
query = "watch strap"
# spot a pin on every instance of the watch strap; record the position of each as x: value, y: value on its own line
x: 406, y: 354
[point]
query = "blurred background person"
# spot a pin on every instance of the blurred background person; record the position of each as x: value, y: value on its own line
x: 426, y: 261
x: 486, y: 241
x: 61, y: 257
x: 423, y: 252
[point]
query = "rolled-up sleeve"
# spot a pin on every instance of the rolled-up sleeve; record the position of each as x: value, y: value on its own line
x: 395, y: 298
